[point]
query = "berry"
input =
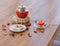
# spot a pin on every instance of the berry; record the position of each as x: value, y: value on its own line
x: 27, y: 28
x: 35, y: 31
x: 21, y: 34
x: 8, y: 24
x: 3, y: 25
x: 4, y: 29
x: 29, y: 35
x: 29, y: 24
x: 12, y: 35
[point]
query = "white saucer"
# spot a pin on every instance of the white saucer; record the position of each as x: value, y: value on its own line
x: 46, y: 24
x: 14, y: 28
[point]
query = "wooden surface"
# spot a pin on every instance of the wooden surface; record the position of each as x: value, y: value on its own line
x: 37, y: 39
x: 7, y: 8
x: 54, y: 37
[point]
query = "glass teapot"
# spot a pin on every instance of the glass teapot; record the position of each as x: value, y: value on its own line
x: 22, y: 11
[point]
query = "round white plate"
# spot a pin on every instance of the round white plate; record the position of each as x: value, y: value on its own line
x: 14, y: 28
x: 35, y: 25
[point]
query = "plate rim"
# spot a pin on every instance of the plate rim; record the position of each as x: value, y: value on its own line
x: 15, y: 30
x: 35, y: 25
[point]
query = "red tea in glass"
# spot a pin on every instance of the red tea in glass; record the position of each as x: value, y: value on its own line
x: 40, y: 22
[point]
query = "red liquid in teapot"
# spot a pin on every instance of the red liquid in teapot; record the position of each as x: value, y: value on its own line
x: 22, y: 14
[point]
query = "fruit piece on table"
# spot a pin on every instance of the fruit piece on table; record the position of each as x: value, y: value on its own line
x: 4, y: 29
x: 8, y: 24
x: 29, y: 35
x: 21, y: 34
x: 35, y: 31
x: 29, y: 24
x: 5, y: 34
x: 3, y: 25
x: 13, y: 35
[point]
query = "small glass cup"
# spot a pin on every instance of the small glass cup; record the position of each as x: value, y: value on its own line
x: 40, y: 23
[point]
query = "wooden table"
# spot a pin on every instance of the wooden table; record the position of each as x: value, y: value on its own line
x: 37, y: 39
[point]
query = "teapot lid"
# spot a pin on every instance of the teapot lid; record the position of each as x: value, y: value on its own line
x: 22, y: 7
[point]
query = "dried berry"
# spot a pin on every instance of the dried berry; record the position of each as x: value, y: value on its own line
x: 4, y: 29
x: 13, y: 35
x: 29, y: 24
x: 8, y: 24
x: 35, y: 31
x: 29, y: 35
x: 21, y: 34
x: 27, y: 28
x: 3, y: 25
x: 5, y: 34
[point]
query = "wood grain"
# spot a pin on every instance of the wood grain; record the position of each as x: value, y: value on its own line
x: 39, y: 9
